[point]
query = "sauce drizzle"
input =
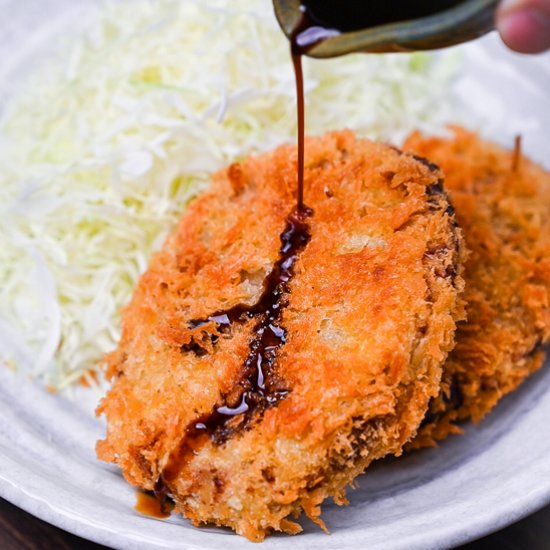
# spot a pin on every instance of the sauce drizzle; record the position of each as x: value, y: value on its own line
x: 259, y: 386
x: 304, y: 36
x: 299, y: 77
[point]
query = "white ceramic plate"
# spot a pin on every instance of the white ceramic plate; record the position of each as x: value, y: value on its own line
x: 472, y: 485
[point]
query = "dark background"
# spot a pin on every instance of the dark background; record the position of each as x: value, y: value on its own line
x: 21, y: 531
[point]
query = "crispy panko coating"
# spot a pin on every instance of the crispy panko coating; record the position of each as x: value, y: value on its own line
x: 369, y: 321
x: 503, y: 206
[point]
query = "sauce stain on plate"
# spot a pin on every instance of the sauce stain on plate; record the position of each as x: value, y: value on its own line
x: 148, y: 505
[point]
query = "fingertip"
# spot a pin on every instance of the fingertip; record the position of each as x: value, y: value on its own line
x: 525, y: 30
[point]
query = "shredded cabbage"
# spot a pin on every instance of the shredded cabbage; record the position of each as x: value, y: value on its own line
x: 101, y: 153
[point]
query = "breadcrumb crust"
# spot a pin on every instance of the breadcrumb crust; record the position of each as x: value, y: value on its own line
x: 503, y: 207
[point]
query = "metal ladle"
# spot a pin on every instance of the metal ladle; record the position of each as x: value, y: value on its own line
x: 463, y: 22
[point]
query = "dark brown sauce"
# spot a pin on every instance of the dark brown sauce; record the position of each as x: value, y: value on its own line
x: 304, y: 36
x: 354, y: 15
x: 149, y: 504
x: 300, y: 114
x: 259, y: 387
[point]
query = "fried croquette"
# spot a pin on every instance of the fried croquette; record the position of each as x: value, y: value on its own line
x: 502, y: 203
x: 267, y: 358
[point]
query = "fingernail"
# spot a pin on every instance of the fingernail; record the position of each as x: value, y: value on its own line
x: 507, y: 6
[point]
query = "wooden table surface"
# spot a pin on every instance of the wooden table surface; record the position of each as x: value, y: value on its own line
x: 21, y: 531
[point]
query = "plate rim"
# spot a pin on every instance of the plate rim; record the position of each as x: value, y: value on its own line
x: 450, y: 537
